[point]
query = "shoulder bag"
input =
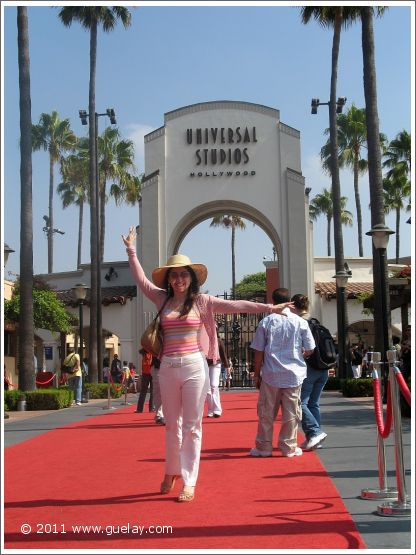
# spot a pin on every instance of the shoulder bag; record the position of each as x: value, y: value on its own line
x: 152, y: 338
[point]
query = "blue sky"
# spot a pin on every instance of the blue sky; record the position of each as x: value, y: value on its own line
x: 179, y: 55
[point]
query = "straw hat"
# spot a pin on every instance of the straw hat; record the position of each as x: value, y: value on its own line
x: 179, y: 261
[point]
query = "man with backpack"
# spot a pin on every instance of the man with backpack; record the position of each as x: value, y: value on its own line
x: 318, y: 363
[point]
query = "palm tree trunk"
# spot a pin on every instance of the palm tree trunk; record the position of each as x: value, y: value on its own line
x: 382, y: 317
x: 233, y: 259
x: 358, y: 208
x: 328, y: 235
x: 26, y: 326
x: 51, y: 224
x: 342, y: 317
x: 102, y: 220
x: 80, y: 223
x: 397, y: 235
x: 93, y: 362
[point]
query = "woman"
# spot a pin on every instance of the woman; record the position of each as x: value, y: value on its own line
x: 183, y: 374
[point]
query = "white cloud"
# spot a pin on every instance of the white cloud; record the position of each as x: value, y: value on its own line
x: 136, y: 133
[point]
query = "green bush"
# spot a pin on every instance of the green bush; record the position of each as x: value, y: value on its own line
x: 48, y: 399
x: 100, y: 391
x: 39, y: 399
x: 358, y: 387
x: 10, y: 398
x: 333, y: 384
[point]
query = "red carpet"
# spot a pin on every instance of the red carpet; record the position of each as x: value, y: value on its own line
x: 106, y: 472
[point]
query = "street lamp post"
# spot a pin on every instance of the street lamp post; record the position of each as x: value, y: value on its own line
x: 335, y: 107
x: 341, y: 278
x: 380, y: 234
x: 83, y: 116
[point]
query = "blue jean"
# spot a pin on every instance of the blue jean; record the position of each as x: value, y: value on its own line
x: 75, y: 384
x: 310, y: 395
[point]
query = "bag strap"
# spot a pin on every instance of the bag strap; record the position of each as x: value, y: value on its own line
x: 162, y: 307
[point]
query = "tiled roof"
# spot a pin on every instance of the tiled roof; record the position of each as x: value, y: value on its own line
x: 109, y: 295
x: 327, y: 289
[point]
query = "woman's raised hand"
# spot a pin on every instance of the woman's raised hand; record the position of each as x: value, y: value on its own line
x: 278, y: 308
x: 131, y: 237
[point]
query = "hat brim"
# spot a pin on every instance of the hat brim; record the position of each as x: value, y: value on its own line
x: 159, y: 274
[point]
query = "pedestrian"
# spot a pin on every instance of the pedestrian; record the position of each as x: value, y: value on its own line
x: 279, y: 369
x: 157, y: 397
x: 132, y: 370
x: 183, y: 374
x: 75, y: 377
x: 214, y: 369
x: 356, y: 360
x: 145, y: 382
x: 116, y: 372
x: 311, y: 391
x: 406, y: 352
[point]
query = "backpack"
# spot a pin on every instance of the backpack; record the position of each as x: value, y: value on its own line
x: 69, y: 364
x: 324, y: 355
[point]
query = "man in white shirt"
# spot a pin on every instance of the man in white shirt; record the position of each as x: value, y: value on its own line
x: 280, y: 343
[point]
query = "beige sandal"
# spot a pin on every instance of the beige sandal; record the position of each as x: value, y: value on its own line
x: 187, y: 494
x: 168, y: 483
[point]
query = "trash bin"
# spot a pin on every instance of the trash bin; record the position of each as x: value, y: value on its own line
x: 21, y: 402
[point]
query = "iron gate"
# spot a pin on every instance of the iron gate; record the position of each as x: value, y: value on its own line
x: 237, y: 332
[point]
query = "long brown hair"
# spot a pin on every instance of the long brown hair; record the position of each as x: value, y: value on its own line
x: 191, y: 294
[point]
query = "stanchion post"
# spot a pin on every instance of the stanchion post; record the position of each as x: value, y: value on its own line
x: 401, y: 507
x: 383, y: 492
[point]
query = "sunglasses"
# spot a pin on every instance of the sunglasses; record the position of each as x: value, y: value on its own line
x: 183, y: 275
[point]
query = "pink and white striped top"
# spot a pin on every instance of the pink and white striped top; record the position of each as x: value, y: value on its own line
x: 181, y: 335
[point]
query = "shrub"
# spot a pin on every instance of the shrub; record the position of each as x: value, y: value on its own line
x: 100, y: 391
x: 10, y: 398
x: 333, y: 384
x: 357, y: 387
x: 48, y: 399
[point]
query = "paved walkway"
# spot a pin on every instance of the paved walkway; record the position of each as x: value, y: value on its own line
x: 348, y: 454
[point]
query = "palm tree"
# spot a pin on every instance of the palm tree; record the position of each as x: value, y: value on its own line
x: 335, y: 17
x: 352, y: 138
x: 116, y: 158
x: 26, y: 326
x: 90, y: 18
x: 397, y: 187
x: 398, y: 153
x: 229, y: 221
x: 321, y: 204
x: 74, y: 187
x: 382, y: 316
x: 55, y: 136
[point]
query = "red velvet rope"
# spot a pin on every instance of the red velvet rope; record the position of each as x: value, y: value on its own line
x: 382, y: 427
x: 404, y: 388
x: 45, y: 382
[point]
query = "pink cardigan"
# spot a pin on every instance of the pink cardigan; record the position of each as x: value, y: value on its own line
x: 207, y: 304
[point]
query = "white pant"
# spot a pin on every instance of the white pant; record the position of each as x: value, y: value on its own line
x: 356, y: 370
x: 213, y: 396
x: 184, y: 384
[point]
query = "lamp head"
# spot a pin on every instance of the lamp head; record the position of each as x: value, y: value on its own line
x: 314, y: 105
x: 80, y: 291
x: 380, y: 234
x: 340, y: 104
x: 112, y: 115
x: 83, y: 115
